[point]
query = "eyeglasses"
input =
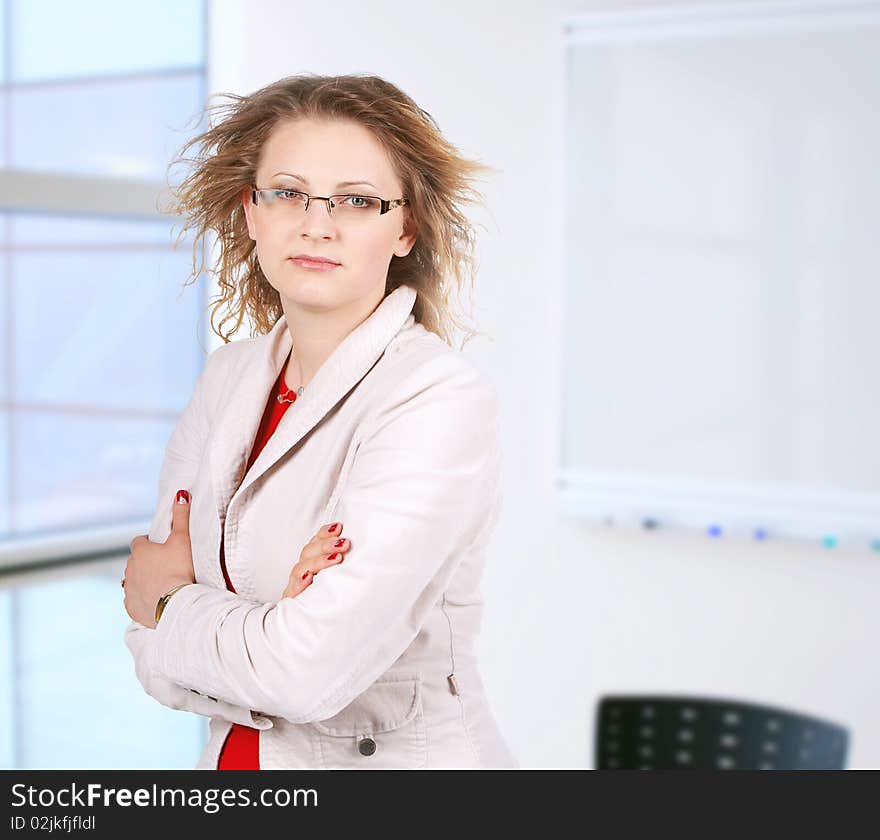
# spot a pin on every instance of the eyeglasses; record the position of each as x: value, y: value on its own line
x: 293, y: 205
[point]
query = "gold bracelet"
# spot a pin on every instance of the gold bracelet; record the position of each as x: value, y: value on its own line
x: 160, y: 604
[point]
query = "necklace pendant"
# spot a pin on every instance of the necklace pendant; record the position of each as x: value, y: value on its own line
x: 290, y: 396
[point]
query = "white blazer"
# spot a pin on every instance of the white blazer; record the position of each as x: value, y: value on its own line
x: 373, y: 665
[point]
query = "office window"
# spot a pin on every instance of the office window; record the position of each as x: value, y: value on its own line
x: 100, y: 346
x: 96, y: 346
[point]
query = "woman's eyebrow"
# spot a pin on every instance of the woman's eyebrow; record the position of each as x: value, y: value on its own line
x: 340, y: 184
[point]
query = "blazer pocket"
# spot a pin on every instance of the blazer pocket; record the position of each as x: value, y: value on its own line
x: 382, y: 729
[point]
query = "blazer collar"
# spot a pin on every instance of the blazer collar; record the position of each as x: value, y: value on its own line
x: 246, y: 398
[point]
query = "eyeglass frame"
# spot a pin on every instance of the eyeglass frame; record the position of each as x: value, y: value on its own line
x: 385, y: 204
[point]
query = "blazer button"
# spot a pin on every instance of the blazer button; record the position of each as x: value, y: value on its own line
x: 367, y: 746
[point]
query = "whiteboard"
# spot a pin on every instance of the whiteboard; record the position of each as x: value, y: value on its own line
x: 721, y: 333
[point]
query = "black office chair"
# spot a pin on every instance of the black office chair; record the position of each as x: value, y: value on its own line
x: 694, y: 733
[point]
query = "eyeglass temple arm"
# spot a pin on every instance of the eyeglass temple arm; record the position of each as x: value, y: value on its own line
x: 390, y: 205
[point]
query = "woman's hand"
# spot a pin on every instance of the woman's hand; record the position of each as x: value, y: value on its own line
x: 154, y: 568
x: 325, y: 549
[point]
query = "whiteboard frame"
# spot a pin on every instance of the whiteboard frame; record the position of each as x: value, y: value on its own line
x: 741, y: 510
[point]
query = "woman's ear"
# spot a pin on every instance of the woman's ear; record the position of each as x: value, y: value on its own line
x: 407, y: 239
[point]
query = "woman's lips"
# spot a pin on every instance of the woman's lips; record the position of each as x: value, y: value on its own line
x: 315, y: 266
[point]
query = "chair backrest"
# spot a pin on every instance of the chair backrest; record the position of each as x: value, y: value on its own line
x: 703, y: 733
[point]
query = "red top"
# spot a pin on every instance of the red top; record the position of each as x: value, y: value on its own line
x: 241, y: 749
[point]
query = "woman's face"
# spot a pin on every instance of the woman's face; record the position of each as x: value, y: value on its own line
x: 325, y: 153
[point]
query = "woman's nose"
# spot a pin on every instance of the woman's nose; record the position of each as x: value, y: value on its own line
x: 317, y: 221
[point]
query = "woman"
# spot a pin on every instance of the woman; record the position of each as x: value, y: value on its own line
x: 334, y: 200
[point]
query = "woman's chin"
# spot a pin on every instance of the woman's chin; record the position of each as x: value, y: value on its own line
x: 316, y: 292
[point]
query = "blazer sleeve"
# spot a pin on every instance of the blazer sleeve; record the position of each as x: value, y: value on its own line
x: 179, y: 467
x: 420, y: 490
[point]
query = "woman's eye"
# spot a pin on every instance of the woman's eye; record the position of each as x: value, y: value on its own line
x: 288, y: 194
x: 359, y: 201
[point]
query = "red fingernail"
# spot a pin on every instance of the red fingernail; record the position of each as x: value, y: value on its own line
x: 182, y: 494
x: 305, y: 575
x: 332, y: 527
x: 339, y: 543
x: 334, y: 556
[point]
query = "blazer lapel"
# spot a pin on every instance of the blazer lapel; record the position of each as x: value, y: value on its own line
x: 246, y: 401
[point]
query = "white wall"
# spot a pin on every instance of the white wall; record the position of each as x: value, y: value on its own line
x: 572, y: 611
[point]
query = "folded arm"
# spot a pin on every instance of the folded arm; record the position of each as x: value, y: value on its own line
x: 182, y: 455
x: 416, y: 497
x: 176, y: 696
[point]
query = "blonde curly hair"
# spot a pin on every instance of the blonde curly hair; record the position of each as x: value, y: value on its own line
x: 436, y: 180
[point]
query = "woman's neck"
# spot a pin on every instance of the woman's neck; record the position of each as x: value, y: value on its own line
x: 315, y: 335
